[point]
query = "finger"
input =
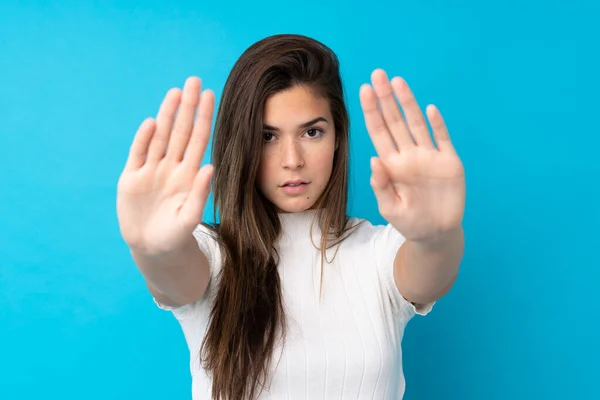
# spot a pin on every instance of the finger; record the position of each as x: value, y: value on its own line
x: 184, y: 120
x: 382, y: 187
x: 164, y: 122
x: 201, y: 132
x: 440, y: 130
x: 193, y: 208
x: 139, y: 147
x: 391, y: 112
x: 412, y: 113
x: 380, y: 136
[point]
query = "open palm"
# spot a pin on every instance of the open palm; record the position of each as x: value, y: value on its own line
x: 419, y: 186
x: 162, y: 190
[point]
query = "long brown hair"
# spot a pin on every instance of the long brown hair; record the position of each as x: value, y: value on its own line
x: 247, y: 315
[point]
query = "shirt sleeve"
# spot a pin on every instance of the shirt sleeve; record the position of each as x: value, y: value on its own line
x: 387, y: 241
x: 210, y: 247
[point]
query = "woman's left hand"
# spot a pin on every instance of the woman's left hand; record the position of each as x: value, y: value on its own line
x: 420, y: 189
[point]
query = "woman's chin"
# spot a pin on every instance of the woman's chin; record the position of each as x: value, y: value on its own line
x: 294, y: 207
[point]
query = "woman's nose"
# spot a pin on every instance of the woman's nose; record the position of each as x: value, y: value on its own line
x: 291, y: 157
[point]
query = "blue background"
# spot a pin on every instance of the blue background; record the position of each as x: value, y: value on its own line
x: 515, y: 80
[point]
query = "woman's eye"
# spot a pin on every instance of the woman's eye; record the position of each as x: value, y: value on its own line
x: 267, y: 136
x: 313, y: 132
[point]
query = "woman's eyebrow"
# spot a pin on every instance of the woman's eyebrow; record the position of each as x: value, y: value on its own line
x: 303, y: 125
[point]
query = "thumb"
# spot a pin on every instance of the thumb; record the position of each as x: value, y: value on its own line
x: 382, y: 186
x: 193, y: 208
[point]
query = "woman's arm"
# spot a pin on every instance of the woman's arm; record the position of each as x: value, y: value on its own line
x: 425, y: 271
x: 176, y: 278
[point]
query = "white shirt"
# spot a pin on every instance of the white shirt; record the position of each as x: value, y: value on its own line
x: 346, y: 347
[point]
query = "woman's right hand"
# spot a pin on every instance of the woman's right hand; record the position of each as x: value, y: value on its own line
x: 162, y: 190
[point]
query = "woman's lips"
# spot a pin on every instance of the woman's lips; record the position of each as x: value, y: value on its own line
x: 294, y: 189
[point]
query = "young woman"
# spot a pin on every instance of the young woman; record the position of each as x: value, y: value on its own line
x: 286, y: 296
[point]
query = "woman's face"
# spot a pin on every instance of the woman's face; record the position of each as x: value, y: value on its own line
x: 298, y: 147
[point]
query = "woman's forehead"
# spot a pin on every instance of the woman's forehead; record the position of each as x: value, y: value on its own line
x: 294, y: 107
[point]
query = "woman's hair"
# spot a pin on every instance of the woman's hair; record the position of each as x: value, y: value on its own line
x: 247, y: 315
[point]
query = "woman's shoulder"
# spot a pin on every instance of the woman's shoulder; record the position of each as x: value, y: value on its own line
x: 207, y: 236
x: 207, y: 230
x: 364, y: 225
x: 361, y: 229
